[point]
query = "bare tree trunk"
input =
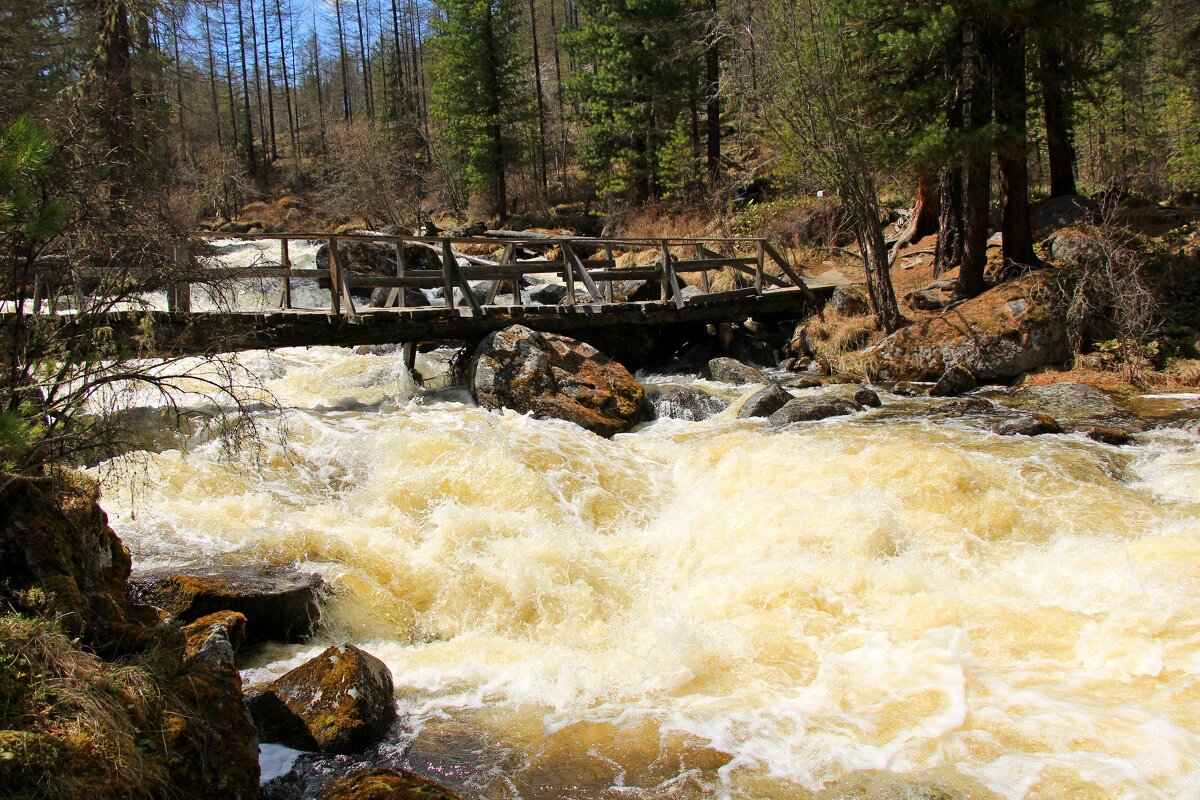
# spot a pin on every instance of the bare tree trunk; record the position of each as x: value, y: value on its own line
x: 1012, y: 106
x: 346, y: 108
x: 864, y: 208
x: 316, y: 50
x: 558, y: 88
x: 178, y: 85
x: 293, y: 137
x: 116, y: 76
x: 712, y: 111
x: 1056, y: 104
x: 270, y: 90
x: 950, y: 221
x: 400, y: 90
x: 978, y: 166
x: 541, y: 100
x: 364, y: 59
x: 212, y: 78
x: 494, y: 132
x: 233, y: 123
x: 262, y: 120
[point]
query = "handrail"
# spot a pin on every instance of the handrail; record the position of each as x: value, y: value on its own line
x: 597, y: 276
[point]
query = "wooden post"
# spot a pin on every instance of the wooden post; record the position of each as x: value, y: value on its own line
x: 758, y: 268
x: 410, y: 358
x: 568, y: 274
x: 285, y: 283
x: 335, y: 278
x: 666, y: 269
x: 705, y: 284
x: 574, y: 263
x: 612, y: 265
x: 448, y: 264
x: 179, y: 293
x: 38, y: 282
x: 494, y: 286
x: 396, y: 295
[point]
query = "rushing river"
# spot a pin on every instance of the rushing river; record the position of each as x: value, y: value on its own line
x: 884, y: 606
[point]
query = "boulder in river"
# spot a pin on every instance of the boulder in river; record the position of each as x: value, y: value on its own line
x: 339, y: 702
x: 965, y: 405
x: 850, y: 300
x: 1028, y: 425
x: 550, y: 294
x: 730, y: 370
x: 686, y: 403
x: 555, y: 377
x: 386, y: 784
x: 765, y: 402
x: 955, y: 380
x: 280, y: 605
x: 810, y: 409
x: 999, y: 335
x: 1106, y: 434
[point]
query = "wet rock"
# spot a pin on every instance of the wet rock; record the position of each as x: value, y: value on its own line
x: 551, y: 294
x: 685, y: 403
x: 911, y: 389
x: 982, y: 335
x: 211, y: 744
x: 339, y: 702
x: 413, y: 298
x: 954, y: 381
x: 280, y: 605
x: 965, y: 405
x: 386, y: 784
x: 552, y: 376
x: 1065, y: 401
x: 765, y: 402
x: 850, y: 300
x: 1108, y: 435
x: 866, y: 398
x: 809, y: 409
x: 377, y: 258
x: 802, y: 382
x: 1030, y: 425
x: 729, y: 370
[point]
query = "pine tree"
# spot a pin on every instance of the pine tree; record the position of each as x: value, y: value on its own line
x: 482, y: 91
x: 646, y: 59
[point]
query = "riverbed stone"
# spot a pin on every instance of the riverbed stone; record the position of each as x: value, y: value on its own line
x: 551, y: 294
x: 911, y: 388
x: 684, y: 402
x: 1106, y: 434
x: 730, y: 370
x: 280, y: 604
x: 850, y: 300
x: 983, y: 335
x: 965, y: 405
x: 810, y: 409
x: 954, y: 381
x: 339, y: 702
x: 555, y: 377
x: 386, y: 784
x: 1028, y: 425
x: 765, y: 402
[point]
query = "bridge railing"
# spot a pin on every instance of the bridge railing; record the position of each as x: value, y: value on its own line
x: 589, y: 279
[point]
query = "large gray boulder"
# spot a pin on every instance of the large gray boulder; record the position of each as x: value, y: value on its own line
x: 810, y: 409
x: 555, y: 377
x: 1000, y: 335
x: 765, y: 402
x: 685, y: 403
x: 730, y: 370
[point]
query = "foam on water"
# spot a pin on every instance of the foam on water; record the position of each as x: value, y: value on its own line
x: 720, y: 609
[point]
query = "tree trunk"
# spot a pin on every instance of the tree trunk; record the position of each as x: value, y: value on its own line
x: 364, y: 58
x: 541, y: 100
x: 1060, y: 138
x: 233, y: 123
x: 871, y: 243
x: 270, y: 90
x: 346, y: 107
x: 258, y: 99
x: 712, y: 111
x: 950, y: 221
x: 248, y: 139
x: 924, y: 221
x: 293, y: 136
x: 212, y: 79
x: 978, y: 164
x: 116, y: 79
x: 1012, y: 105
x: 494, y: 131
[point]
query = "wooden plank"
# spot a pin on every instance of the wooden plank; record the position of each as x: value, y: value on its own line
x: 448, y: 265
x: 713, y: 298
x: 766, y: 278
x: 702, y: 264
x: 335, y: 298
x: 285, y: 283
x: 459, y: 278
x: 791, y: 273
x: 670, y: 283
x: 570, y: 256
x: 758, y: 269
x: 494, y: 288
x: 357, y: 280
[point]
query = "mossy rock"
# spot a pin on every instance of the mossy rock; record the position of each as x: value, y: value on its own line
x: 339, y: 702
x: 386, y: 784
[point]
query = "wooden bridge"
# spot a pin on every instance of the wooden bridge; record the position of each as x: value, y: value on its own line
x: 593, y: 307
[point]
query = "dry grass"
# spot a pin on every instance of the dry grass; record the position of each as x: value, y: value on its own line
x: 76, y: 726
x: 838, y: 341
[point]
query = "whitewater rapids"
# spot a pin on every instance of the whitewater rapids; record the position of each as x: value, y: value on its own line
x: 718, y: 609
